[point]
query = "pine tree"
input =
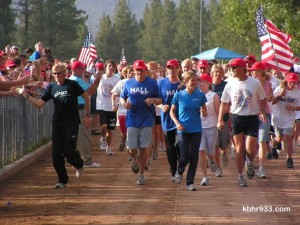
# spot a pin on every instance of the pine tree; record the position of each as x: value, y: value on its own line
x: 7, y: 25
x: 126, y: 32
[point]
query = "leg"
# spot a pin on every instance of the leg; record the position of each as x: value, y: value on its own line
x: 172, y: 150
x: 194, y: 156
x: 58, y: 153
x: 238, y: 140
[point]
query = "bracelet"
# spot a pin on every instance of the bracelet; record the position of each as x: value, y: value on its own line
x: 27, y: 96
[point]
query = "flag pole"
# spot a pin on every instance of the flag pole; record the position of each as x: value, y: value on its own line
x: 270, y: 39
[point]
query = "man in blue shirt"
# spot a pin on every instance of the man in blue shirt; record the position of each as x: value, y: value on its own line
x: 84, y: 144
x: 139, y: 96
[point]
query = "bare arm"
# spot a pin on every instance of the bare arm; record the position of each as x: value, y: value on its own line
x: 87, y: 108
x: 224, y: 108
x: 92, y: 89
x: 174, y: 117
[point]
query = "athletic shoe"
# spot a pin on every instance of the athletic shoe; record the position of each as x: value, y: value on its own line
x: 103, y: 144
x: 121, y: 146
x: 154, y: 154
x: 173, y: 178
x: 178, y: 178
x: 135, y: 167
x: 140, y: 180
x: 213, y: 166
x: 250, y: 169
x: 108, y: 151
x: 204, y: 181
x: 269, y: 155
x: 92, y: 165
x: 242, y: 181
x: 191, y: 187
x: 162, y: 147
x: 79, y: 172
x: 60, y: 185
x: 224, y: 158
x: 218, y: 172
x: 275, y: 153
x: 289, y: 163
x: 261, y: 173
x: 232, y: 152
x: 95, y: 132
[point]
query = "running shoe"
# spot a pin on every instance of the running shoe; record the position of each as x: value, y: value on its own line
x: 204, y: 181
x: 242, y: 181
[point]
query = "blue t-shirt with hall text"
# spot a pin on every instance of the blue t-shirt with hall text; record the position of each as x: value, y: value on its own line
x: 140, y: 114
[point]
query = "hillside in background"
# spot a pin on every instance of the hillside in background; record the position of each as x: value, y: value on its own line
x: 95, y: 9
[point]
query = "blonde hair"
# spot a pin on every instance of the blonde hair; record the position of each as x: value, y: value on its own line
x: 187, y: 62
x: 61, y: 67
x: 152, y: 65
x: 187, y: 76
x: 37, y: 65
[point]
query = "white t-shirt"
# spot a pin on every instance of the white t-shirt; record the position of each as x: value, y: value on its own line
x: 281, y: 117
x: 118, y: 88
x: 106, y: 84
x: 244, y: 96
x: 212, y: 116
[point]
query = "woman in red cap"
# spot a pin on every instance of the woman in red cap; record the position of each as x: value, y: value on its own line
x: 258, y: 72
x: 209, y: 127
x: 286, y: 102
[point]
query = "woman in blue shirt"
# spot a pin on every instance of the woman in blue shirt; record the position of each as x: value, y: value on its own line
x: 185, y: 112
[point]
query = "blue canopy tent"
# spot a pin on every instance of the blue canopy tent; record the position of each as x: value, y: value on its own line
x: 218, y: 53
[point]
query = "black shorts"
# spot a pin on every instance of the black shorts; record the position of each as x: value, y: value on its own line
x: 109, y: 118
x: 157, y: 120
x: 244, y: 124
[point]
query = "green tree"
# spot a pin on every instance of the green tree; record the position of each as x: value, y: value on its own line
x: 105, y: 38
x: 7, y: 23
x: 126, y: 30
x: 56, y: 23
x: 149, y: 41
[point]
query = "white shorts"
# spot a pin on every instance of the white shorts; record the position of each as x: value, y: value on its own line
x: 209, y: 140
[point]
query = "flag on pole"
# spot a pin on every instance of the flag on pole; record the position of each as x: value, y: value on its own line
x: 88, y: 51
x: 123, y: 60
x: 275, y: 49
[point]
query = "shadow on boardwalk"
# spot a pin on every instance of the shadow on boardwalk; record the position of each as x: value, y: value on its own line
x: 109, y: 195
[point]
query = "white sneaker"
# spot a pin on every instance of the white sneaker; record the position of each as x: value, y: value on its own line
x: 178, y: 178
x: 108, y: 151
x: 60, y: 185
x: 162, y: 147
x: 191, y: 187
x: 79, y: 172
x: 103, y: 144
x: 92, y: 165
x: 212, y: 166
x: 218, y: 172
x: 261, y: 173
x: 232, y: 152
x: 204, y: 181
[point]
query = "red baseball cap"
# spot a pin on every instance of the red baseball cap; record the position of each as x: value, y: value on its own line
x: 257, y: 66
x: 291, y: 77
x: 202, y: 64
x: 238, y: 62
x: 10, y: 63
x: 250, y: 58
x: 172, y: 63
x: 77, y: 64
x: 206, y: 77
x: 139, y: 64
x: 99, y: 66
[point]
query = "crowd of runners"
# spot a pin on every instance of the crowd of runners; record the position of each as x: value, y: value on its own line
x: 189, y: 108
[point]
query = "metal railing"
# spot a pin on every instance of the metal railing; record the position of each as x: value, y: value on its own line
x: 23, y: 127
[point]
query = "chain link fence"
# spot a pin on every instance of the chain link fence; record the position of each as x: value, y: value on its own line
x: 23, y: 127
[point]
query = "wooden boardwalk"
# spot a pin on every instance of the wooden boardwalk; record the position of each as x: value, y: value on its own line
x: 109, y: 195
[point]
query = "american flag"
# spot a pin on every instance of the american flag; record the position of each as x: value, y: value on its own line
x: 88, y: 51
x: 123, y: 60
x: 275, y: 49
